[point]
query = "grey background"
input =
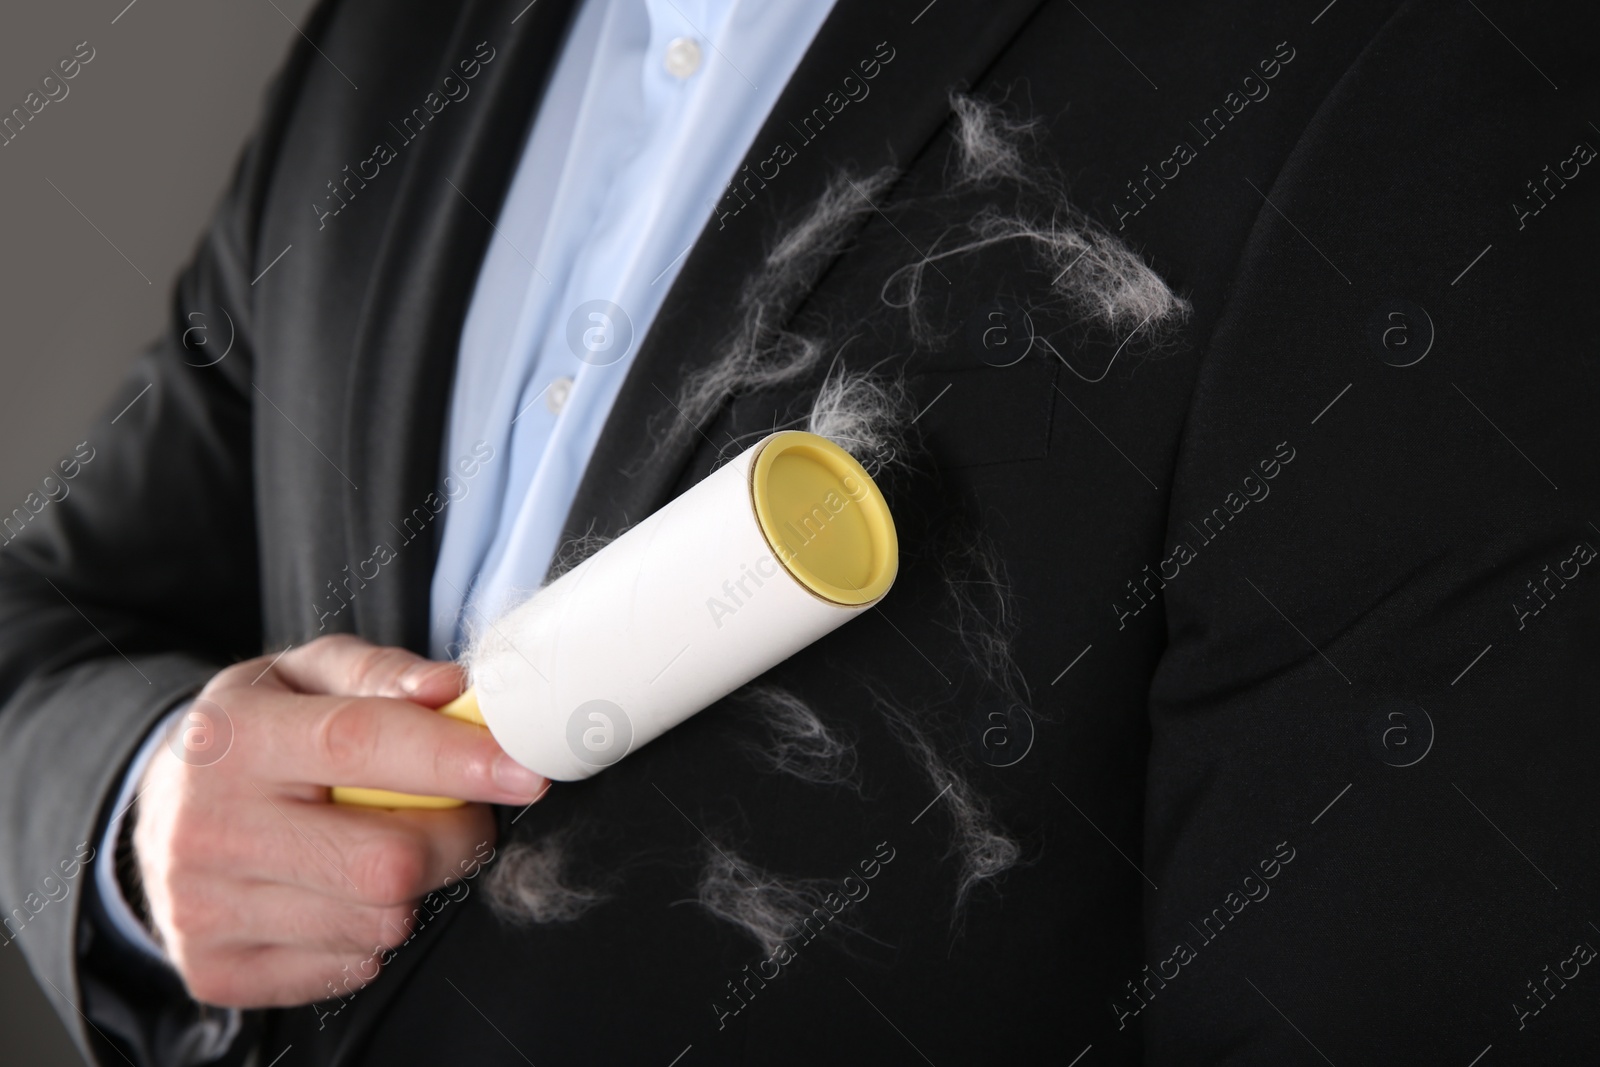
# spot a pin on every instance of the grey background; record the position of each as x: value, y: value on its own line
x: 142, y: 144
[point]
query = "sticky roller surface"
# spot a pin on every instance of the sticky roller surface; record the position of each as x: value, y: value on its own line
x: 770, y: 552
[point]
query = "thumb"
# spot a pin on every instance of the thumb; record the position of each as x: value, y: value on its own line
x: 344, y: 665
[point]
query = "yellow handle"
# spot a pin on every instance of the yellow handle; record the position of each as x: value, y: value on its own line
x: 463, y: 707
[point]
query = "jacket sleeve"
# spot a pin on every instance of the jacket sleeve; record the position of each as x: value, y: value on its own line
x: 127, y: 578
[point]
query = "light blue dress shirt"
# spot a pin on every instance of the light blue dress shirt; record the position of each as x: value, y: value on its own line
x: 650, y: 112
x: 651, y: 109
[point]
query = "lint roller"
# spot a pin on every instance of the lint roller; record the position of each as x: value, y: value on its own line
x: 786, y: 543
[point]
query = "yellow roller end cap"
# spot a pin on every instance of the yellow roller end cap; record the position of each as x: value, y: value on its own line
x: 825, y: 518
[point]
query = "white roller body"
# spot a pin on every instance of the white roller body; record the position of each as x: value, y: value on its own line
x: 664, y: 621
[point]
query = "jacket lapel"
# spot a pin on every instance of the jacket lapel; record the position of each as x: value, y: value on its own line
x: 410, y: 323
x: 417, y: 299
x: 937, y: 48
x: 405, y: 351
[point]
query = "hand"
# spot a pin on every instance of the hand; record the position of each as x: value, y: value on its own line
x: 263, y: 892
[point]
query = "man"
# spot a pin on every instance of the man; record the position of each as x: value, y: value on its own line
x: 1231, y: 705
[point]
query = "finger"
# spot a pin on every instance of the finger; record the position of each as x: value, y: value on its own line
x: 385, y: 744
x: 277, y: 976
x: 352, y: 855
x: 250, y: 914
x: 345, y: 665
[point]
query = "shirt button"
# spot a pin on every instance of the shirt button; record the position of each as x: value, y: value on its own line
x: 555, y: 397
x: 683, y: 57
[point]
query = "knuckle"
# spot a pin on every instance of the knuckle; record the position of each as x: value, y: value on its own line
x: 394, y: 926
x: 161, y: 865
x: 343, y: 735
x: 393, y: 871
x: 192, y: 920
x: 210, y: 980
x: 464, y: 757
x: 452, y: 762
x: 189, y: 908
x: 333, y: 643
x: 231, y: 676
x: 190, y: 839
x: 377, y: 669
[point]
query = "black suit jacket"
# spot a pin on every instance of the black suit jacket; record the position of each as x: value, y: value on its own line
x: 1313, y: 737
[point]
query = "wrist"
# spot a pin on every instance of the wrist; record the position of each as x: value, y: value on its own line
x: 118, y: 879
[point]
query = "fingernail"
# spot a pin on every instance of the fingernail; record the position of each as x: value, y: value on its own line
x: 514, y: 778
x: 418, y: 677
